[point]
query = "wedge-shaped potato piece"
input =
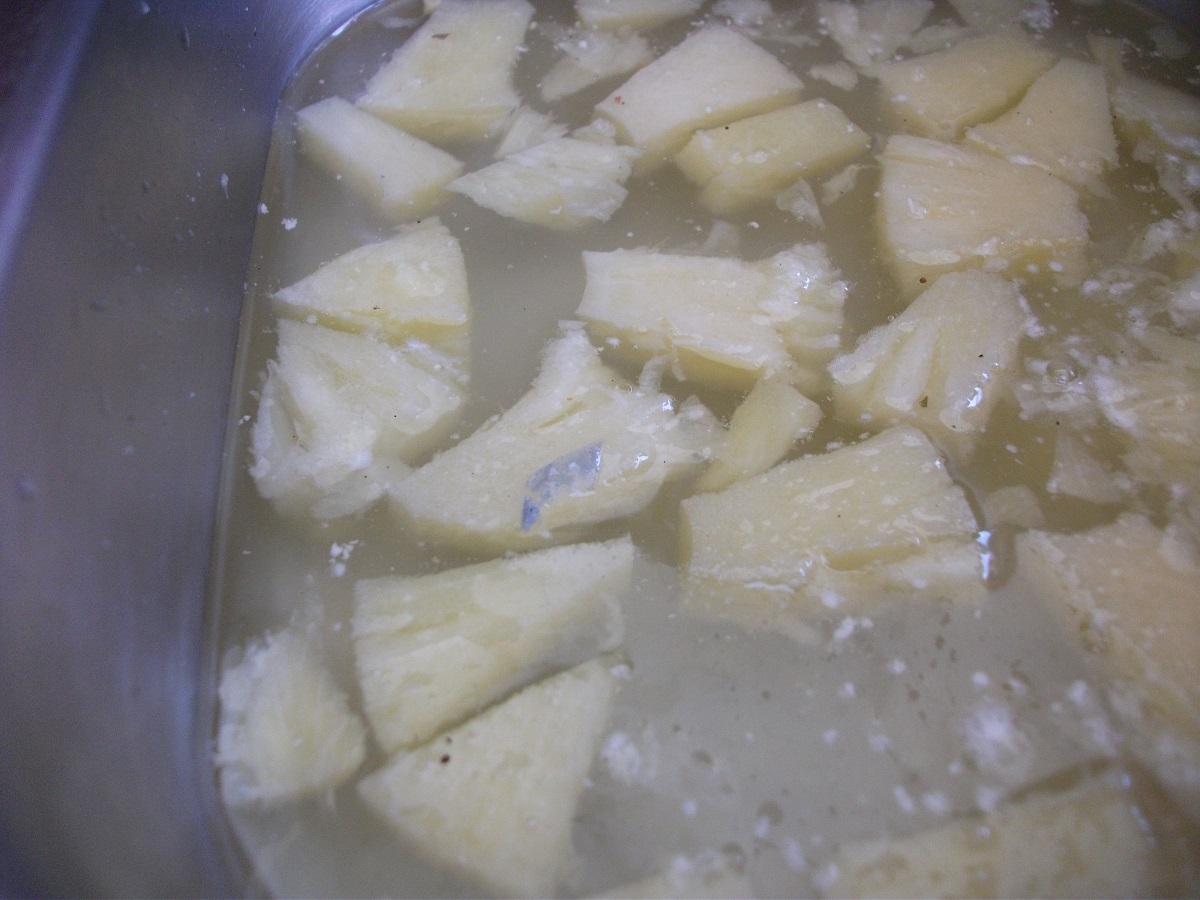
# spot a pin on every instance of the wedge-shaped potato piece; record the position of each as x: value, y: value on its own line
x: 591, y: 55
x: 494, y: 798
x: 639, y: 15
x: 753, y: 159
x: 336, y: 407
x: 581, y: 447
x: 941, y: 364
x: 433, y: 650
x: 400, y: 175
x: 286, y: 730
x: 722, y: 321
x: 1090, y: 841
x: 1063, y: 125
x: 1161, y: 116
x: 873, y: 31
x: 940, y: 94
x: 527, y: 128
x: 944, y: 207
x: 764, y: 427
x: 852, y: 524
x: 452, y: 79
x: 716, y: 76
x: 1075, y: 472
x: 411, y: 286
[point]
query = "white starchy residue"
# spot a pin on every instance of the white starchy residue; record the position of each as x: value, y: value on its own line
x: 289, y: 224
x: 904, y: 800
x: 995, y: 743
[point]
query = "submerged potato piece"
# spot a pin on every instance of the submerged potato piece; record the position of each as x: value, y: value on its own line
x: 722, y: 321
x: 591, y: 55
x: 634, y: 14
x: 1062, y: 125
x: 286, y: 730
x: 1077, y: 473
x: 852, y: 524
x: 1164, y: 117
x: 716, y: 76
x: 495, y: 797
x: 400, y: 175
x: 755, y: 158
x: 943, y: 207
x: 1090, y: 841
x: 452, y: 79
x: 434, y: 649
x: 336, y: 407
x: 412, y: 285
x: 941, y: 364
x: 940, y: 94
x: 873, y: 31
x: 580, y: 447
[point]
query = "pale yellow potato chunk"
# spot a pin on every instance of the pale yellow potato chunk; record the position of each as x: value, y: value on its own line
x: 638, y: 15
x: 411, y: 286
x: 433, y: 650
x: 581, y: 447
x: 716, y: 76
x: 941, y: 364
x: 401, y: 176
x: 591, y: 55
x: 1163, y: 117
x: 850, y: 525
x: 1063, y: 125
x: 753, y: 159
x: 943, y: 207
x: 873, y: 31
x: 452, y: 79
x: 494, y: 798
x: 942, y: 93
x: 286, y: 730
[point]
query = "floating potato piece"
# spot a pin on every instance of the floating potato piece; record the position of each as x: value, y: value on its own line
x: 872, y: 32
x: 944, y: 207
x: 400, y: 175
x: 764, y: 427
x: 581, y: 447
x: 849, y: 525
x: 286, y: 730
x: 1063, y: 125
x: 591, y: 56
x: 940, y: 94
x: 495, y: 797
x: 433, y: 650
x: 1076, y: 473
x: 527, y: 128
x: 336, y: 406
x: 753, y: 159
x: 638, y: 15
x: 452, y: 79
x: 716, y: 76
x: 941, y: 364
x: 722, y: 321
x: 1165, y: 118
x: 411, y: 286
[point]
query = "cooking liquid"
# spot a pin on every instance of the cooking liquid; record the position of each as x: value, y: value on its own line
x: 766, y: 750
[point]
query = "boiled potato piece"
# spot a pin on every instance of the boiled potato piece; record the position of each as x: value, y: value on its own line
x: 527, y: 128
x: 581, y: 447
x: 338, y: 409
x: 1160, y: 116
x: 1063, y: 125
x: 591, y: 55
x: 716, y: 76
x: 633, y: 14
x: 848, y: 525
x: 495, y: 797
x: 873, y: 31
x: 411, y: 286
x: 452, y: 79
x: 941, y: 364
x: 943, y: 207
x: 435, y: 649
x: 1077, y: 473
x: 286, y: 730
x: 400, y: 175
x: 753, y: 159
x: 942, y: 93
x: 722, y: 321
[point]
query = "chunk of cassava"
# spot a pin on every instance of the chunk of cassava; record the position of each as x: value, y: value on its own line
x: 941, y: 364
x: 286, y: 730
x: 940, y: 94
x: 433, y: 650
x: 581, y: 447
x: 873, y: 31
x: 495, y: 797
x: 401, y: 176
x: 943, y: 207
x: 339, y: 412
x: 753, y: 159
x: 716, y: 76
x: 634, y: 14
x: 591, y: 55
x: 1063, y: 125
x: 527, y: 128
x: 764, y: 427
x: 721, y: 321
x: 1162, y: 117
x: 452, y: 80
x: 413, y: 285
x: 852, y: 525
